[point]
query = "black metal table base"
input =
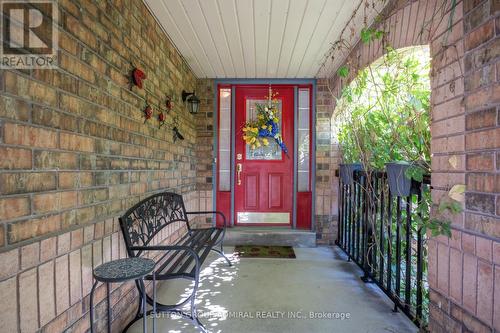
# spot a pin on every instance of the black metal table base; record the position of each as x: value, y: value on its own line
x: 122, y: 270
x: 142, y: 309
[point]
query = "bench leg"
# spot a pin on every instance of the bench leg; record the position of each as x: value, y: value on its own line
x: 173, y: 309
x: 221, y: 252
x: 194, y: 315
x: 201, y: 327
x: 92, y: 306
x: 144, y: 308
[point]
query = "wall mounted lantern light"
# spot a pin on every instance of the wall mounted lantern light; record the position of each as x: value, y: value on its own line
x: 193, y: 102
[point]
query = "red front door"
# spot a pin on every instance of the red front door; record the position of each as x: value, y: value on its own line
x: 264, y: 175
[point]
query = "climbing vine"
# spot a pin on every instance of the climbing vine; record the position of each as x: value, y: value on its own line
x: 341, y: 50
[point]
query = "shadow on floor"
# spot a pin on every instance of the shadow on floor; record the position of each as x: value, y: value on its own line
x: 316, y: 292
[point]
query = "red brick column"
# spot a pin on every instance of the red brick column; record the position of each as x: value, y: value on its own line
x: 465, y: 284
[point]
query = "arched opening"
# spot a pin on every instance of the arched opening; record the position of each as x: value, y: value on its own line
x: 383, y: 116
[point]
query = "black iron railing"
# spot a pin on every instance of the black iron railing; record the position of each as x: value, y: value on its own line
x: 380, y: 232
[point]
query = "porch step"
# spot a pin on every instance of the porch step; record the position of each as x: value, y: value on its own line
x: 269, y: 236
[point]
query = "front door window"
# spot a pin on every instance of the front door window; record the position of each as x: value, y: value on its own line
x: 271, y: 151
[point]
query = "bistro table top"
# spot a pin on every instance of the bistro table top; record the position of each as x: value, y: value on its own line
x: 126, y: 269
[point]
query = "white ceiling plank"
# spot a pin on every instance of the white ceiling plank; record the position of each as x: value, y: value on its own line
x: 338, y: 24
x: 228, y: 13
x: 183, y: 22
x: 165, y: 19
x: 244, y: 9
x: 279, y: 13
x: 293, y: 23
x: 261, y: 38
x: 318, y: 44
x: 307, y: 30
x: 262, y: 17
x: 214, y: 21
x: 205, y: 38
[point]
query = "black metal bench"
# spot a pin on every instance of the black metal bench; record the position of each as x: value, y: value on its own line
x: 141, y: 223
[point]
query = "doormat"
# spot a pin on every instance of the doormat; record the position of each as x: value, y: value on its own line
x: 264, y: 251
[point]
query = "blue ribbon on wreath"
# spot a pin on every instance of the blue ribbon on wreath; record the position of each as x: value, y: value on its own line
x: 265, y: 132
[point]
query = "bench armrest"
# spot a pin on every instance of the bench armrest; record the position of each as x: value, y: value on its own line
x: 211, y: 212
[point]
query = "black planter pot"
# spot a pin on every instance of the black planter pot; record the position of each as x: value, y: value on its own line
x: 399, y: 183
x: 347, y: 171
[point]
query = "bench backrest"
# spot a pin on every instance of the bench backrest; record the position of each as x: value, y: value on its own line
x: 148, y: 217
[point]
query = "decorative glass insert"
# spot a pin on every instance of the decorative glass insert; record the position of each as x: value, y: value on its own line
x: 303, y: 140
x: 225, y: 139
x: 271, y: 151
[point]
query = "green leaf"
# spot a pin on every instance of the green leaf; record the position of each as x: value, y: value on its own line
x: 453, y: 206
x: 343, y: 71
x: 457, y: 192
x: 366, y: 35
x: 416, y: 173
x: 379, y: 34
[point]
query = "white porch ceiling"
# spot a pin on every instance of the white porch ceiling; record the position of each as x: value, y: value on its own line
x: 257, y: 38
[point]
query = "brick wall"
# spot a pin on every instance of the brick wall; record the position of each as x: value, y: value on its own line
x: 76, y: 153
x: 464, y: 271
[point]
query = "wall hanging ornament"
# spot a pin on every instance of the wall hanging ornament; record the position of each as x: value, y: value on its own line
x: 177, y: 135
x: 161, y: 119
x: 257, y: 132
x: 138, y: 76
x: 169, y: 104
x: 148, y: 113
x: 175, y: 129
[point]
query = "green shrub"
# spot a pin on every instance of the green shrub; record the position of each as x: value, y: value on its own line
x: 384, y: 114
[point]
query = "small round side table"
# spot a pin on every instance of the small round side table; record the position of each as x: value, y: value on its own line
x: 123, y: 270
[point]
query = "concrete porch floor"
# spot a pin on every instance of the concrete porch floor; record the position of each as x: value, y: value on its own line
x: 319, y: 280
